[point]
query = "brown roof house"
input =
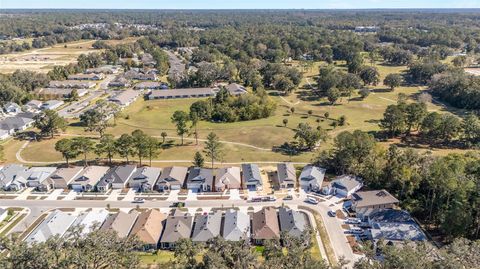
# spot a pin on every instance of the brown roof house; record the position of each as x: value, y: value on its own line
x: 60, y: 178
x: 228, y: 178
x: 172, y: 178
x: 122, y: 223
x: 177, y: 226
x: 365, y: 202
x: 148, y: 228
x: 265, y: 225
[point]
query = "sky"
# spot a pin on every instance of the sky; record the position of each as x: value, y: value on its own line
x: 238, y: 4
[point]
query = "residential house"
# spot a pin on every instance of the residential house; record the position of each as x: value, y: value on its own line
x: 75, y: 84
x: 200, y: 179
x: 32, y: 177
x: 91, y: 220
x: 121, y: 222
x: 265, y: 225
x: 152, y: 85
x: 207, y: 226
x: 119, y: 81
x: 144, y: 178
x: 365, y: 202
x: 88, y: 178
x: 33, y: 105
x: 177, y: 226
x: 124, y: 98
x: 8, y: 174
x: 12, y: 125
x: 286, y: 176
x: 251, y: 177
x: 137, y: 75
x: 228, y: 178
x: 292, y: 222
x: 236, y: 226
x: 88, y: 76
x: 394, y: 226
x: 117, y: 177
x: 51, y: 104
x: 148, y: 228
x: 105, y: 69
x: 172, y: 178
x: 56, y: 224
x: 12, y: 108
x: 58, y: 93
x: 147, y: 60
x: 181, y: 93
x: 344, y: 186
x: 236, y: 89
x: 311, y: 178
x: 61, y: 178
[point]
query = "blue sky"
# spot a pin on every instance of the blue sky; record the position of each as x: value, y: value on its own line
x: 239, y: 4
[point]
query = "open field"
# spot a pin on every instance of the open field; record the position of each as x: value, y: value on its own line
x: 42, y: 60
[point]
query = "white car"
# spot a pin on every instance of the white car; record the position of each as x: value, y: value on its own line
x: 138, y: 200
x: 311, y: 200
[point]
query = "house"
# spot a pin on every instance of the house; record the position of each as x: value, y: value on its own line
x: 228, y: 178
x: 12, y: 125
x: 144, y: 178
x: 121, y: 222
x: 251, y: 177
x: 235, y: 89
x: 364, y: 202
x: 200, y: 179
x: 60, y: 179
x: 105, y: 69
x: 88, y: 76
x: 33, y: 177
x: 311, y: 178
x: 236, y: 226
x: 3, y: 214
x: 12, y: 108
x: 181, y: 93
x: 265, y: 225
x: 172, y: 178
x: 90, y: 221
x: 286, y: 176
x: 51, y: 104
x: 124, y: 98
x: 177, y: 226
x: 8, y: 174
x: 119, y: 81
x: 152, y: 85
x: 33, y: 105
x: 58, y: 93
x: 147, y: 60
x: 207, y: 226
x: 88, y: 178
x: 344, y: 186
x: 292, y: 222
x: 394, y: 226
x: 74, y: 84
x: 117, y: 177
x: 137, y: 75
x: 148, y: 228
x: 56, y: 224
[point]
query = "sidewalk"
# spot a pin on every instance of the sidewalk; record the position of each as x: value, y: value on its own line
x: 54, y: 195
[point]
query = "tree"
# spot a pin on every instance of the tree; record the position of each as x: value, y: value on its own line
x: 342, y: 120
x: 308, y: 137
x: 195, y: 119
x: 83, y: 145
x: 285, y: 122
x: 49, y: 122
x: 415, y: 113
x: 393, y: 120
x: 73, y: 96
x: 393, y: 81
x: 292, y: 110
x: 152, y: 146
x: 364, y: 93
x: 213, y: 148
x: 94, y: 121
x: 106, y: 146
x: 163, y: 135
x: 198, y: 160
x: 140, y: 144
x: 471, y: 129
x: 65, y: 147
x: 369, y: 75
x: 124, y: 146
x: 180, y: 119
x: 332, y: 95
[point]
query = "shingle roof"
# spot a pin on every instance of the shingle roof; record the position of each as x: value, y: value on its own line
x: 173, y: 175
x: 346, y: 182
x: 91, y: 175
x: 371, y: 198
x: 125, y: 96
x: 207, y: 226
x: 177, y: 227
x: 228, y: 176
x: 201, y: 174
x: 286, y: 172
x: 144, y: 175
x: 65, y: 174
x: 391, y: 224
x: 57, y: 223
x: 236, y: 225
x: 265, y: 224
x: 9, y: 172
x: 149, y: 226
x: 187, y: 92
x: 14, y: 123
x: 292, y: 222
x: 123, y: 223
x: 119, y: 174
x: 90, y: 220
x: 251, y: 174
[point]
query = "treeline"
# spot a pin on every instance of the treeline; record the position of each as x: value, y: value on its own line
x: 442, y: 192
x: 457, y: 88
x: 227, y: 108
x: 19, y: 86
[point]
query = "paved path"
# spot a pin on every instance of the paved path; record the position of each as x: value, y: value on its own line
x: 54, y: 195
x: 288, y: 102
x: 24, y: 194
x: 70, y: 196
x: 113, y: 195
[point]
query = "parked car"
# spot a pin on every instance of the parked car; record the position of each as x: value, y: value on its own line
x: 138, y: 200
x: 356, y: 230
x: 288, y: 197
x: 269, y: 199
x: 256, y: 199
x: 332, y: 213
x: 353, y: 221
x: 178, y: 204
x: 311, y: 200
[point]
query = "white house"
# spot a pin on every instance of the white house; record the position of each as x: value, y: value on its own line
x: 12, y: 108
x: 311, y: 178
x: 344, y: 186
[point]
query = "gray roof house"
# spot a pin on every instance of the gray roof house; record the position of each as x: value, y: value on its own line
x: 60, y: 178
x: 366, y: 202
x: 14, y: 124
x: 119, y: 81
x: 394, y: 226
x: 8, y: 174
x: 181, y: 93
x: 59, y: 92
x: 236, y: 226
x: 124, y: 98
x: 236, y: 89
x: 117, y: 177
x: 200, y: 179
x: 292, y: 222
x: 151, y: 85
x: 207, y: 226
x: 122, y: 223
x: 88, y: 178
x: 177, y: 226
x: 172, y: 178
x: 51, y: 104
x: 345, y: 185
x: 57, y: 223
x: 144, y: 178
x: 286, y: 175
x: 251, y: 177
x: 77, y: 84
x: 33, y: 105
x: 12, y: 108
x: 228, y: 178
x: 311, y: 178
x: 33, y: 177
